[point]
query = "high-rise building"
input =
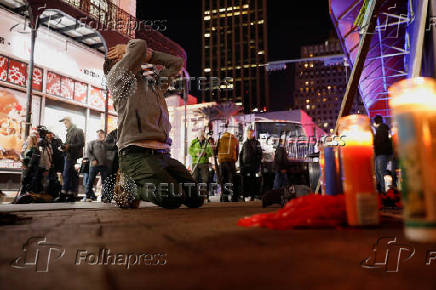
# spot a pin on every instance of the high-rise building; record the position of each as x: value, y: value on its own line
x: 320, y: 85
x: 234, y: 45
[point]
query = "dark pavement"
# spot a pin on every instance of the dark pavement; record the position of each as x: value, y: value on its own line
x: 202, y: 249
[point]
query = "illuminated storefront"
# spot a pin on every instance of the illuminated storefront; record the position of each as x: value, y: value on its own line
x: 71, y: 39
x: 67, y: 81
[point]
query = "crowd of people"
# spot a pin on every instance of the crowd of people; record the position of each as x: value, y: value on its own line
x: 226, y: 154
x: 50, y: 173
x: 49, y: 165
x: 139, y: 149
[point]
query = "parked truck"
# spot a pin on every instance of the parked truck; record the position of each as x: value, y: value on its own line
x: 296, y: 127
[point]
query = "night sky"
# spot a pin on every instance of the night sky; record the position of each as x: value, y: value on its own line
x: 289, y: 26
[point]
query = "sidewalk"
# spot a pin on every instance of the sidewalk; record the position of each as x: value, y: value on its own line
x: 9, y: 207
x: 62, y: 206
x: 203, y: 249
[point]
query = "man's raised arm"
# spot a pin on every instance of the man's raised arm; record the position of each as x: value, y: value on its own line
x: 127, y: 61
x: 173, y: 64
x: 129, y: 57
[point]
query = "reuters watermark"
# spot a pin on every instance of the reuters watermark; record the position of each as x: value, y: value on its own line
x: 189, y: 189
x: 179, y: 84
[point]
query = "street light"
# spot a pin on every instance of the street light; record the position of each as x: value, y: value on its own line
x: 185, y: 101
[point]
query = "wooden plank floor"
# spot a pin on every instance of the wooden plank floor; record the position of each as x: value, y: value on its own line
x: 204, y: 249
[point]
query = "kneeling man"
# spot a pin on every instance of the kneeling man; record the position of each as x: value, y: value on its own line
x: 144, y: 127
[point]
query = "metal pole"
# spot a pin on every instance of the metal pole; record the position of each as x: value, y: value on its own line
x: 368, y: 28
x: 185, y: 151
x: 30, y: 82
x: 281, y: 64
x: 419, y: 40
x: 106, y: 110
x: 380, y: 40
x: 185, y: 101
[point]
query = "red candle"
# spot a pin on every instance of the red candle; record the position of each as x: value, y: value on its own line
x: 357, y: 157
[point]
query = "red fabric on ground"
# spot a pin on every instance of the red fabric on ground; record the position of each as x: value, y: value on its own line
x: 306, y: 211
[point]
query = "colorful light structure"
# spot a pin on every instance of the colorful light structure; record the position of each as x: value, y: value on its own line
x: 386, y: 61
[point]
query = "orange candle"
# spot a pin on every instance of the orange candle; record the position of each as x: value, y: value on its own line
x: 357, y: 157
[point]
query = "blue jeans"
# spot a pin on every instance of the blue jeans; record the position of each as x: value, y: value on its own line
x: 280, y: 180
x: 381, y: 164
x: 93, y: 171
x: 85, y: 179
x: 67, y: 175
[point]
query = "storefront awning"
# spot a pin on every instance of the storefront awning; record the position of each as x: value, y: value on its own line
x: 62, y: 23
x: 73, y: 28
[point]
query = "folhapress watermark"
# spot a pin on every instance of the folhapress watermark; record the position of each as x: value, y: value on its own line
x: 41, y: 256
x: 104, y: 257
x: 389, y: 254
x: 38, y: 255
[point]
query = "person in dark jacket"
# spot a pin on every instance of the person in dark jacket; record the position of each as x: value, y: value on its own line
x: 113, y: 166
x: 98, y: 163
x: 73, y: 148
x: 30, y: 165
x: 250, y: 159
x: 281, y: 166
x: 112, y: 151
x: 52, y: 145
x: 84, y: 170
x: 383, y: 151
x: 58, y: 155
